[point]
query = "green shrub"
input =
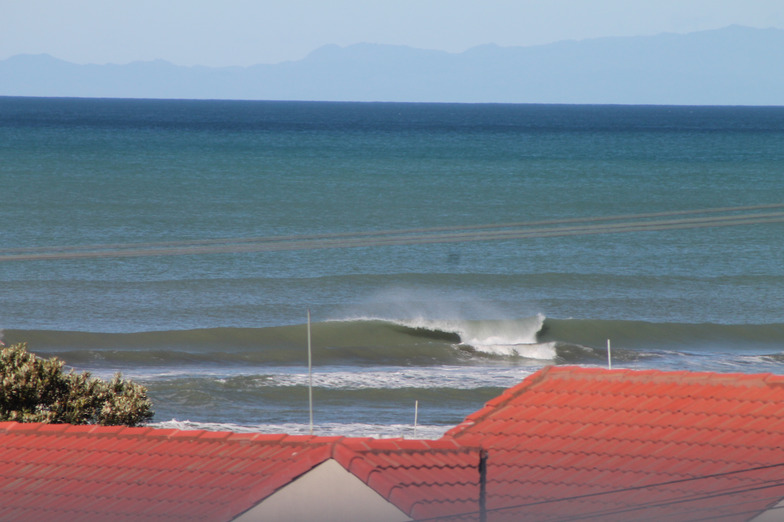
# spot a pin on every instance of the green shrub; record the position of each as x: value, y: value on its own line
x: 37, y: 390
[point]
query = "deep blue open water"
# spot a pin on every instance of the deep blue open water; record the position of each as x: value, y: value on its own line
x: 445, y: 251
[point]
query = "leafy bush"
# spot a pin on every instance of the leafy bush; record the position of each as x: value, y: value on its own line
x: 37, y: 390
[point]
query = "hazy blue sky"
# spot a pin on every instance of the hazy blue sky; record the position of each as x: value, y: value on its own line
x: 246, y: 32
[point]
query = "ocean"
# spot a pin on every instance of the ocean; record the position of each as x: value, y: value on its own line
x: 444, y: 251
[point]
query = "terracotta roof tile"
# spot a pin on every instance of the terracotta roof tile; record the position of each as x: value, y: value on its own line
x: 95, y: 472
x: 423, y: 478
x: 621, y: 431
x: 361, y: 468
x: 214, y: 435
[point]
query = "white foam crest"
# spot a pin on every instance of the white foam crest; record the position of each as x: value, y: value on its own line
x: 379, y: 431
x: 540, y: 351
x: 473, y: 332
x: 461, y: 378
x: 347, y: 378
x: 459, y: 313
x: 455, y: 377
x: 501, y: 337
x: 505, y: 337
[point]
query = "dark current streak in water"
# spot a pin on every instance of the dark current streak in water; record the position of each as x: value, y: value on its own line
x: 731, y: 216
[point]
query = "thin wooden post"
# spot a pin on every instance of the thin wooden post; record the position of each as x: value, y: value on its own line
x: 310, y: 377
x: 609, y: 356
x: 416, y: 416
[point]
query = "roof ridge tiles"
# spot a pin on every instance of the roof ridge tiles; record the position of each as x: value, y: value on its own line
x: 23, y: 426
x: 421, y: 450
x: 394, y: 492
x: 5, y: 426
x: 49, y: 428
x: 742, y: 419
x: 664, y: 390
x: 178, y: 434
x: 361, y: 468
x: 306, y: 440
x: 405, y: 445
x: 773, y: 379
x: 344, y: 454
x: 508, y: 395
x: 691, y: 376
x: 80, y: 429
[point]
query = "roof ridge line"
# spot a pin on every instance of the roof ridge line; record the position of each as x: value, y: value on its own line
x: 491, y: 405
x: 333, y: 446
x: 769, y: 378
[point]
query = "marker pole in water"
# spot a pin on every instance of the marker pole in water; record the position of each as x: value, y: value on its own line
x: 416, y: 415
x: 310, y: 377
x: 609, y: 356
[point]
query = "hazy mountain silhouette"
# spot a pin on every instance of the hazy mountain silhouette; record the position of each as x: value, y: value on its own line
x: 731, y: 66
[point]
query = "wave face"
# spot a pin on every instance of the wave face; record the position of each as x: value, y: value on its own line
x: 410, y: 342
x: 360, y: 342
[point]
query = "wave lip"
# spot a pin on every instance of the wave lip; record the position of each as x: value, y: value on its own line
x: 498, y: 338
x: 418, y: 341
x: 361, y: 340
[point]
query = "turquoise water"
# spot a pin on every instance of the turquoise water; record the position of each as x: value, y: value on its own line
x: 104, y: 202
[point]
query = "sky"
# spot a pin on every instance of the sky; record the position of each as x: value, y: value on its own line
x: 248, y: 32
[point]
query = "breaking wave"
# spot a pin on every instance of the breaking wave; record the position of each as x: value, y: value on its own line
x: 411, y: 342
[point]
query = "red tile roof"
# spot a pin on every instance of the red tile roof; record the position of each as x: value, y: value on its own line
x: 422, y: 478
x: 565, y: 444
x: 62, y: 472
x: 578, y: 443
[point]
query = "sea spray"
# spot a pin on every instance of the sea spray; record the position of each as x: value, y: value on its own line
x: 504, y: 337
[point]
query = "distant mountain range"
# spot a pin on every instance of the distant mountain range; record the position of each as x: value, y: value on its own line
x: 730, y: 66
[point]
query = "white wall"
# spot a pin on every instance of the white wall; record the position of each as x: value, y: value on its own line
x: 326, y: 493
